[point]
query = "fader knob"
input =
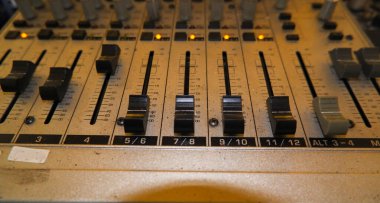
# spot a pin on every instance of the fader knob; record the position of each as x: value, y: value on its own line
x: 280, y: 116
x: 55, y: 87
x: 184, y: 114
x: 37, y: 3
x: 89, y: 9
x: 153, y: 9
x: 216, y: 7
x: 137, y: 116
x: 67, y: 4
x: 121, y: 10
x: 233, y: 119
x: 26, y: 9
x: 108, y: 60
x: 57, y: 9
x: 98, y: 4
x: 248, y: 9
x: 329, y: 116
x: 344, y: 63
x: 19, y: 77
x: 281, y: 4
x: 369, y: 58
x: 327, y: 10
x: 184, y: 10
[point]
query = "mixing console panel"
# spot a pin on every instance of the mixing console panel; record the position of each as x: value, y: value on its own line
x: 204, y: 77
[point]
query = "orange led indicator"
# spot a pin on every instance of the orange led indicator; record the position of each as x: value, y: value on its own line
x: 261, y: 37
x: 23, y: 35
x: 226, y: 37
x: 192, y: 37
x: 158, y: 36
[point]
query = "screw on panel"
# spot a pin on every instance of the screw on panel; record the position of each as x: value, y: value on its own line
x: 120, y: 121
x: 349, y: 37
x: 213, y: 122
x: 29, y: 120
x: 352, y: 123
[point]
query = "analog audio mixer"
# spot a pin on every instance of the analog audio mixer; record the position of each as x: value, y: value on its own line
x: 189, y: 100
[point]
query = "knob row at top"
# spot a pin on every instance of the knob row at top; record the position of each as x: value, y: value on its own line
x: 28, y: 8
x: 248, y: 7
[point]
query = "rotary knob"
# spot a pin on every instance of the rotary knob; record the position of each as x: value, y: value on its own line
x: 153, y: 9
x: 26, y: 9
x: 327, y: 10
x: 89, y: 9
x: 281, y: 4
x: 248, y: 9
x: 37, y: 4
x: 121, y: 10
x: 57, y: 9
x: 184, y: 10
x: 67, y: 4
x: 216, y: 7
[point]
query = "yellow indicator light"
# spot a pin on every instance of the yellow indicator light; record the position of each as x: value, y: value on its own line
x: 192, y: 37
x: 23, y: 35
x: 158, y: 36
x: 226, y: 37
x: 261, y: 37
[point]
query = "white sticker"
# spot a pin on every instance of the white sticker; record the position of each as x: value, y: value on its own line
x: 30, y: 155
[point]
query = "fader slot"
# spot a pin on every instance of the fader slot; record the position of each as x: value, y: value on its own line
x: 375, y: 85
x: 227, y: 84
x: 100, y: 99
x: 266, y: 74
x: 147, y: 73
x: 5, y: 55
x: 9, y: 108
x: 51, y: 112
x: 76, y: 60
x: 357, y: 103
x: 306, y: 74
x: 369, y: 101
x: 187, y: 74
